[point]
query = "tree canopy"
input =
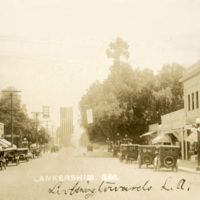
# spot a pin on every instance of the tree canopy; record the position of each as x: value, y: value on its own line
x: 130, y: 99
x: 23, y: 125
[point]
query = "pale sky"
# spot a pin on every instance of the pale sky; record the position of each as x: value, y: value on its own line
x: 53, y: 50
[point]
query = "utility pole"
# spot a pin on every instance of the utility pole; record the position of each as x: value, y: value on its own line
x: 36, y: 116
x: 47, y: 126
x: 11, y: 94
x: 53, y: 135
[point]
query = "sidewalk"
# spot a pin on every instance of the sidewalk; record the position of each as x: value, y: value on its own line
x: 188, y: 166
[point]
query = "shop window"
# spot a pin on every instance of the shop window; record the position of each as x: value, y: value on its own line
x: 197, y: 99
x: 188, y: 102
x: 192, y: 101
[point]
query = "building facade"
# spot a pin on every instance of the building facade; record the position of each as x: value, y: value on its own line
x: 179, y: 127
x: 173, y: 127
x: 191, y: 83
x: 66, y: 125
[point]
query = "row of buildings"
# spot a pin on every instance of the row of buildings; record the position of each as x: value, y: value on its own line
x: 62, y: 137
x: 66, y: 125
x: 179, y: 127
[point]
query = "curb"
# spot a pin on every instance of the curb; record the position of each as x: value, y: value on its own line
x: 185, y: 169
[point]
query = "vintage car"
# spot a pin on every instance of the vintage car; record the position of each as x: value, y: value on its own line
x: 128, y: 152
x: 89, y: 147
x: 167, y: 157
x: 36, y: 152
x: 11, y: 155
x: 55, y: 148
x: 146, y: 155
x: 2, y: 159
x: 24, y: 154
x: 116, y: 150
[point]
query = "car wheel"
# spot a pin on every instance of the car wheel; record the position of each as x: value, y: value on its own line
x: 169, y: 161
x: 147, y: 159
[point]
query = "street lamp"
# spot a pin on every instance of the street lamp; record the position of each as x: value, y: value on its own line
x: 198, y: 140
x: 108, y: 141
x: 118, y: 139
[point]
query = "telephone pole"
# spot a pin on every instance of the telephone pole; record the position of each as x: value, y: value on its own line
x: 11, y: 94
x: 36, y: 116
x: 47, y: 126
x: 53, y: 135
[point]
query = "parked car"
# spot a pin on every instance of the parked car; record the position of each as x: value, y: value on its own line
x: 146, y: 155
x: 55, y: 148
x: 2, y: 159
x: 36, y: 152
x: 128, y: 152
x: 11, y: 155
x: 24, y: 154
x: 116, y: 150
x: 166, y: 156
x: 89, y: 147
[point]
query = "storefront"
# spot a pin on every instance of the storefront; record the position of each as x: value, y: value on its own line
x: 173, y: 127
x: 154, y: 130
x: 191, y: 83
x: 4, y: 143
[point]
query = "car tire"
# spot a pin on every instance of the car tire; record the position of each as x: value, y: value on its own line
x: 166, y: 161
x: 126, y: 159
x: 147, y: 157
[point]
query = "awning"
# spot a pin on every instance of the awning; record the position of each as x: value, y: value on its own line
x: 2, y: 144
x: 192, y: 137
x: 147, y: 134
x: 5, y: 143
x: 161, y: 139
x: 176, y: 133
x: 188, y: 126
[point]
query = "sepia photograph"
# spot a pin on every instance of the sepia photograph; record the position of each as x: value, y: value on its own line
x: 99, y: 99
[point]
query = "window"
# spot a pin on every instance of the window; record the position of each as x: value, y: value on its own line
x: 188, y: 102
x: 197, y: 99
x: 192, y: 101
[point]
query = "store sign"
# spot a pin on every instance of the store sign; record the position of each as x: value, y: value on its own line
x: 45, y: 111
x: 89, y: 116
x: 1, y: 129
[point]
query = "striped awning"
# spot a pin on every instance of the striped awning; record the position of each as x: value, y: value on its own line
x: 192, y: 137
x: 5, y: 143
x: 2, y: 144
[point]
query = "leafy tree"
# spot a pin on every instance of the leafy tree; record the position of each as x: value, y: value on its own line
x: 23, y: 126
x: 84, y: 140
x: 117, y: 49
x: 43, y: 136
x: 129, y: 100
